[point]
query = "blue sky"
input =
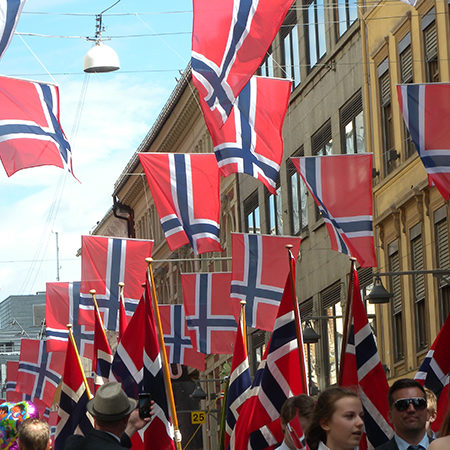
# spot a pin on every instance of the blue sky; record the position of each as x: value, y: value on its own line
x: 118, y: 110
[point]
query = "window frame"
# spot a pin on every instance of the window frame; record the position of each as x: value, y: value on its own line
x: 316, y: 32
x: 251, y: 208
x: 301, y: 192
x: 349, y: 113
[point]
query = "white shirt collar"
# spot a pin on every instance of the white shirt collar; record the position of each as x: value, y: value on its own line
x: 403, y: 445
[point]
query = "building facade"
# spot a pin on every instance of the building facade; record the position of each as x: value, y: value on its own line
x: 406, y: 45
x: 338, y: 105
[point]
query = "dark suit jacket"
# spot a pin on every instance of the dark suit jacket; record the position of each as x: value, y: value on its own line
x: 389, y: 445
x: 97, y: 440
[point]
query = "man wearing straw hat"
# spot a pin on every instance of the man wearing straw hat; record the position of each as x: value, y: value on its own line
x: 111, y: 409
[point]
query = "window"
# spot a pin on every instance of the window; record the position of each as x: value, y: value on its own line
x: 365, y: 277
x: 298, y: 196
x: 397, y: 309
x: 322, y: 144
x: 266, y: 68
x: 347, y: 13
x: 274, y: 213
x: 352, y: 125
x: 289, y: 48
x: 441, y: 235
x: 310, y: 350
x: 406, y: 76
x: 429, y: 33
x: 38, y: 315
x: 331, y: 306
x: 258, y: 346
x: 315, y: 31
x: 415, y: 236
x: 251, y: 211
x: 384, y: 83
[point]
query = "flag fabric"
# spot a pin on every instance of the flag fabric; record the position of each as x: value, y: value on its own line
x: 425, y: 108
x: 127, y: 362
x: 153, y: 382
x: 123, y: 320
x: 362, y: 368
x: 12, y: 368
x: 179, y: 348
x: 229, y: 41
x: 39, y: 371
x: 9, y: 16
x: 259, y: 269
x: 30, y: 131
x: 210, y: 314
x: 296, y: 433
x: 434, y: 372
x: 342, y: 189
x: 238, y: 385
x: 62, y: 307
x: 251, y: 139
x: 72, y: 403
x: 186, y: 191
x: 101, y: 364
x: 105, y: 262
x: 267, y: 437
x: 277, y: 378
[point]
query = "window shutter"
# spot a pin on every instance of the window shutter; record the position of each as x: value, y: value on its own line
x: 430, y: 40
x: 306, y: 309
x: 442, y: 245
x: 321, y: 137
x: 351, y: 109
x: 396, y: 287
x: 417, y: 256
x: 290, y: 167
x: 406, y: 66
x: 331, y: 295
x: 385, y: 88
x: 365, y: 276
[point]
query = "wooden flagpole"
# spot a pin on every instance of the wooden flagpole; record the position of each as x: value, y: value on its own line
x: 348, y: 308
x: 298, y: 329
x: 244, y: 325
x: 162, y: 350
x: 74, y: 345
x: 97, y: 311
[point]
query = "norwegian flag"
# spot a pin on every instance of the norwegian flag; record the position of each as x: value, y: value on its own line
x: 238, y: 385
x: 342, y: 188
x: 186, y: 191
x: 103, y: 356
x: 434, y: 372
x: 127, y: 362
x: 210, y: 316
x: 12, y: 368
x: 229, y: 41
x: 30, y: 131
x: 259, y: 269
x: 9, y: 16
x: 39, y: 371
x: 251, y: 140
x: 179, y: 348
x: 296, y: 433
x: 73, y: 401
x: 277, y: 378
x: 62, y: 307
x: 361, y: 367
x: 426, y: 108
x: 105, y: 262
x: 153, y: 382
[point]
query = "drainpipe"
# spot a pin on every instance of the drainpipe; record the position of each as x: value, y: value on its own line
x: 120, y: 208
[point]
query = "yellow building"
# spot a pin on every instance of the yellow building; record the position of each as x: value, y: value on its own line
x: 405, y: 44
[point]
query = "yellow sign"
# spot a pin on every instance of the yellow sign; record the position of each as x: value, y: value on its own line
x: 198, y: 417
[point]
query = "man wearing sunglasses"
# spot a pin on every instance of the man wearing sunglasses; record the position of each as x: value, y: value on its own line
x: 408, y: 414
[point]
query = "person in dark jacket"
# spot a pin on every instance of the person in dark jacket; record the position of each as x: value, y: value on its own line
x: 116, y: 419
x: 408, y: 414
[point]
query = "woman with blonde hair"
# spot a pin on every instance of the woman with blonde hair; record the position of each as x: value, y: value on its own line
x: 337, y: 422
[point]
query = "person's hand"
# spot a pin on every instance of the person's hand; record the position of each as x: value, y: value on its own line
x: 135, y: 422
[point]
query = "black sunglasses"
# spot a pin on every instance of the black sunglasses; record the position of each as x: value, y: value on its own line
x: 402, y: 404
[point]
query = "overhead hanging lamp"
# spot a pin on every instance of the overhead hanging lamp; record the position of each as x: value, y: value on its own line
x: 101, y: 58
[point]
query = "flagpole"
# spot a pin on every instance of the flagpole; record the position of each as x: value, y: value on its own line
x: 298, y: 329
x: 162, y: 346
x: 74, y: 345
x: 348, y: 307
x: 244, y: 324
x: 97, y: 311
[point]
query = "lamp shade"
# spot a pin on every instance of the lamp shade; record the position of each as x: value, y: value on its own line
x: 378, y: 294
x: 101, y: 58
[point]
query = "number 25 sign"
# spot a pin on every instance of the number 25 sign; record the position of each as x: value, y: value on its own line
x: 198, y: 417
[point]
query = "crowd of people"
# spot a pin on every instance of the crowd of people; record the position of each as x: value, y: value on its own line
x: 335, y: 421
